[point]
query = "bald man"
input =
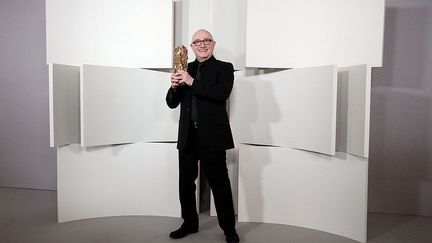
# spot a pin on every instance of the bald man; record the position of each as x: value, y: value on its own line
x: 204, y: 133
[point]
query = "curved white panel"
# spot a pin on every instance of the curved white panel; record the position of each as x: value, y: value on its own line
x: 135, y: 179
x: 353, y: 109
x: 293, y: 187
x: 129, y: 33
x: 64, y: 95
x: 294, y: 108
x: 124, y: 105
x: 300, y: 33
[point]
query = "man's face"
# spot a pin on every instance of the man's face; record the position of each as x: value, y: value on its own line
x: 202, y: 45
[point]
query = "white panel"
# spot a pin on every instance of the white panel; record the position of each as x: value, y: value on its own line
x: 294, y: 108
x: 196, y: 15
x: 229, y: 30
x: 64, y: 81
x: 225, y: 19
x: 299, y: 33
x: 294, y: 187
x: 179, y: 17
x: 130, y: 33
x: 353, y: 110
x: 135, y: 179
x: 123, y: 105
x: 232, y: 165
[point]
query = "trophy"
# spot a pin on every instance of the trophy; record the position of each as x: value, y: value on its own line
x: 180, y: 59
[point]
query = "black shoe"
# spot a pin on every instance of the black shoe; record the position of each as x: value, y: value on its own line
x: 232, y: 238
x: 183, y: 231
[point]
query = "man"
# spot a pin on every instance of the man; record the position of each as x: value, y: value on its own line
x: 204, y: 133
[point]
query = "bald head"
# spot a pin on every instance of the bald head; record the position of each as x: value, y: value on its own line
x: 202, y: 45
x: 201, y: 32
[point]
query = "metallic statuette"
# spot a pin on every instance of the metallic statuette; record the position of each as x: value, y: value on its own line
x: 180, y: 59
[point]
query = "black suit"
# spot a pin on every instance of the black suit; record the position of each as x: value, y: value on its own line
x: 208, y: 141
x: 212, y: 91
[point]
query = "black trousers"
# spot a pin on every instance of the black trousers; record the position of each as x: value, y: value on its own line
x: 215, y: 169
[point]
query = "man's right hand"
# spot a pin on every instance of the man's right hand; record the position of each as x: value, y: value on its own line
x: 175, y: 80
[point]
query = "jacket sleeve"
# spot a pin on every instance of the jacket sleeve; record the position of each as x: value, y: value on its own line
x: 220, y: 90
x: 174, y: 97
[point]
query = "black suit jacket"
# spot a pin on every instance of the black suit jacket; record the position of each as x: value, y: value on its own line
x: 211, y: 91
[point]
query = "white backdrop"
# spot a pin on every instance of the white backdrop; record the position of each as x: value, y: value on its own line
x: 133, y: 179
x: 64, y: 91
x: 300, y: 33
x: 294, y: 187
x: 293, y: 108
x: 304, y: 182
x: 353, y: 110
x: 125, y: 105
x: 225, y: 19
x: 130, y: 33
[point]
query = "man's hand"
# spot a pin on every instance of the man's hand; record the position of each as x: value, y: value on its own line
x: 184, y: 78
x: 175, y: 80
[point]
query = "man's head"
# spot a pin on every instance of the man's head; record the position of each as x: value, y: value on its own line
x: 202, y: 45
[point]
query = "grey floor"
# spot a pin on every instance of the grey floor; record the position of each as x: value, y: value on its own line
x: 29, y: 216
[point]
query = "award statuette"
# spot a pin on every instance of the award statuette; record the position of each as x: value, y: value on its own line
x: 180, y: 59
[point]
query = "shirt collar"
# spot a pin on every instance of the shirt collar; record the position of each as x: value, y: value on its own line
x: 206, y: 62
